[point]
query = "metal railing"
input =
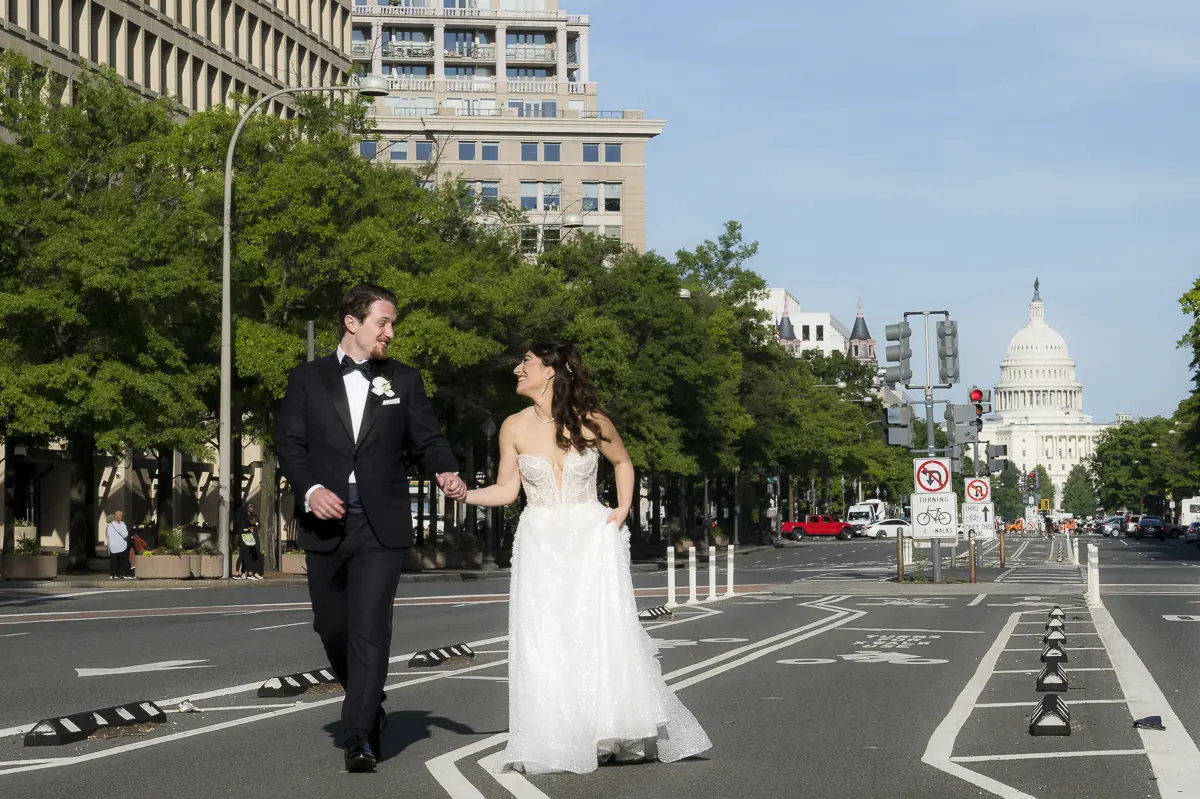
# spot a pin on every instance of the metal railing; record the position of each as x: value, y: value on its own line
x: 468, y: 13
x: 408, y: 50
x: 531, y: 52
x: 361, y: 49
x: 473, y: 52
x: 601, y: 114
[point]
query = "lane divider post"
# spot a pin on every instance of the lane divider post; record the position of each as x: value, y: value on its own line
x: 712, y: 573
x: 729, y: 571
x: 1093, y: 574
x: 692, y: 577
x: 671, y: 603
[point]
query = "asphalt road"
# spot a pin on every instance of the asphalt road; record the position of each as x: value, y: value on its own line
x: 823, y: 679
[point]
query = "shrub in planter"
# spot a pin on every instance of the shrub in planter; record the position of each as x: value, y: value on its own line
x: 682, y: 544
x: 24, y: 529
x: 719, y: 538
x: 28, y: 561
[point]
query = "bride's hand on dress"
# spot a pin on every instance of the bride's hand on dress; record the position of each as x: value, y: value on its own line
x: 617, y: 517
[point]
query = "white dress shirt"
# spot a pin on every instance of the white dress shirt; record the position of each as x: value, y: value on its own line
x: 357, y: 389
x: 118, y: 537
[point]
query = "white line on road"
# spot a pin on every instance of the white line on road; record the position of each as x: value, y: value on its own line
x: 1045, y: 755
x: 910, y: 630
x: 280, y: 626
x: 12, y: 635
x: 1032, y: 704
x: 450, y: 778
x: 1039, y: 649
x: 976, y: 600
x: 233, y: 707
x: 1173, y: 755
x: 164, y: 665
x: 941, y: 744
x: 1068, y: 670
x: 54, y: 597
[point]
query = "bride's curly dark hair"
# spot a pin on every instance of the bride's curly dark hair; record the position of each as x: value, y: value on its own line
x: 575, y: 404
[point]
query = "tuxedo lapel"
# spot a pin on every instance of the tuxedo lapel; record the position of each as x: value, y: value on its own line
x: 331, y: 376
x: 374, y: 402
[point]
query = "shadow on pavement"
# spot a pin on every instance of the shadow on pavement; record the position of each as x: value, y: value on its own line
x: 407, y: 727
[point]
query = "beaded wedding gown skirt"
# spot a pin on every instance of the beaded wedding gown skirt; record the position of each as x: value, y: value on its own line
x: 584, y: 684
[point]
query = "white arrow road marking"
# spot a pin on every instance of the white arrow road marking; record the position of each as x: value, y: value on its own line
x: 165, y: 665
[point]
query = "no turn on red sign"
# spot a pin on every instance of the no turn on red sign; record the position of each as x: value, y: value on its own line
x: 931, y: 476
x: 977, y: 490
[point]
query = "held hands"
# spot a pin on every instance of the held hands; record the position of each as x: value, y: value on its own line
x: 452, y: 485
x: 325, y: 504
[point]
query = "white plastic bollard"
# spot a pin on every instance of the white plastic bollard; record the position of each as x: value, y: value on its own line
x: 692, y: 577
x: 671, y: 578
x: 1075, y: 551
x: 729, y: 571
x: 1093, y: 573
x: 712, y: 573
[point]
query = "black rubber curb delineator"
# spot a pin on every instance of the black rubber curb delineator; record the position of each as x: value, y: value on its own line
x: 441, y: 656
x: 654, y: 613
x: 81, y: 726
x: 1050, y: 717
x: 296, y: 684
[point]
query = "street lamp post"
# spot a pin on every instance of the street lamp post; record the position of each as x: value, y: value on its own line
x: 369, y: 86
x: 489, y: 557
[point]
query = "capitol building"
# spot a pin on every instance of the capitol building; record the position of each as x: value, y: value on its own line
x: 1037, y: 407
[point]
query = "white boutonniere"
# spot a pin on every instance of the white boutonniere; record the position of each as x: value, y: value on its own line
x: 382, y: 387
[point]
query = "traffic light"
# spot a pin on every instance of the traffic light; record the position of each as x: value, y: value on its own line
x: 947, y: 335
x: 898, y: 422
x: 899, y: 353
x: 1035, y: 480
x: 955, y: 454
x: 996, y: 455
x: 958, y: 426
x: 981, y: 398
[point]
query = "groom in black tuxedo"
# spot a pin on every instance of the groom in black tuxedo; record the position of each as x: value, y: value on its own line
x: 347, y: 423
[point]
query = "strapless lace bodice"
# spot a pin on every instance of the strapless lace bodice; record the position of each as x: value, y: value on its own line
x: 541, y: 484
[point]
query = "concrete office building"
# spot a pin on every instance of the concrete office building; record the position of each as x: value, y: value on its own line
x: 498, y: 93
x: 197, y: 51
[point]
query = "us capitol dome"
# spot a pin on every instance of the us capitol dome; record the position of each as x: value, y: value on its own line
x: 1038, y: 404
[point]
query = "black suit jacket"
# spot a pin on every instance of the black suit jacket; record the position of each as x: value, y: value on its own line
x: 315, y: 443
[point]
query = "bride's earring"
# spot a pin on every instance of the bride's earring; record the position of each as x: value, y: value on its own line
x: 546, y: 385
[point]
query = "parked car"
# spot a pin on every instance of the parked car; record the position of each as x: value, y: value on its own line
x: 888, y: 528
x: 817, y: 525
x: 1151, y: 527
x: 1192, y: 534
x: 1130, y: 525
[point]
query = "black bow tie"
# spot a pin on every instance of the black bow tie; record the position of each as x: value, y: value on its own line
x: 350, y: 365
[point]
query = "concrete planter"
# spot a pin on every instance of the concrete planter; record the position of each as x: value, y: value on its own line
x: 413, y: 559
x: 210, y: 566
x: 462, y: 559
x: 681, y: 548
x: 720, y: 541
x: 164, y: 567
x: 432, y: 559
x: 294, y: 564
x: 28, y: 567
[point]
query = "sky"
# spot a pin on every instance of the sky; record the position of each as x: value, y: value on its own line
x: 930, y: 154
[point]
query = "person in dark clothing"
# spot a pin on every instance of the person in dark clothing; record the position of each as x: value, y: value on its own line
x: 250, y: 558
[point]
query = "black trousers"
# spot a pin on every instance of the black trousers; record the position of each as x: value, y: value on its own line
x: 250, y: 559
x: 118, y: 563
x: 352, y: 590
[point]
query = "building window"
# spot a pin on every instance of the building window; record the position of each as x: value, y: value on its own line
x: 820, y: 332
x: 612, y: 232
x: 591, y: 197
x: 528, y: 73
x: 529, y: 151
x: 551, y: 196
x: 529, y: 238
x: 612, y: 197
x: 489, y: 193
x: 591, y: 153
x: 551, y: 151
x: 466, y: 151
x: 590, y: 230
x: 399, y: 150
x: 490, y: 150
x: 424, y: 151
x: 367, y: 149
x: 612, y: 153
x: 551, y: 236
x: 855, y: 348
x: 804, y: 332
x: 529, y: 196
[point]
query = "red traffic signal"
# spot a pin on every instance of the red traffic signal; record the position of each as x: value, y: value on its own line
x: 976, y: 395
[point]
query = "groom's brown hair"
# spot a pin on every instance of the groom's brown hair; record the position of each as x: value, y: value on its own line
x: 357, y: 302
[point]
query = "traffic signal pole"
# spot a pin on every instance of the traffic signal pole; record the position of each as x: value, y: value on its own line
x: 935, y: 551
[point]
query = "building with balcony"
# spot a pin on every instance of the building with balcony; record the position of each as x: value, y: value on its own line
x: 197, y: 51
x: 498, y: 93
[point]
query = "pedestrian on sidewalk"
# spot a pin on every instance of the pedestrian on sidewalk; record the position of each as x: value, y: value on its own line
x: 118, y: 544
x: 250, y: 557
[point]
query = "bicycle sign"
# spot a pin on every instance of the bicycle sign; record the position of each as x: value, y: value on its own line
x: 931, y: 475
x: 935, y: 516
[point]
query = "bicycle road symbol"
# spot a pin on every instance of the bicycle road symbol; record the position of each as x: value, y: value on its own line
x: 977, y: 490
x: 934, y: 516
x: 932, y: 476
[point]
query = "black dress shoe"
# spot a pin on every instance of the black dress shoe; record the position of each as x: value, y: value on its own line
x: 360, y: 755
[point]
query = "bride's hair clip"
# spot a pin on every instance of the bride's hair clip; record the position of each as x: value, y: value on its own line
x: 570, y: 371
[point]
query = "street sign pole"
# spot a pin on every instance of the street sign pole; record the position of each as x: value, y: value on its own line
x: 936, y: 550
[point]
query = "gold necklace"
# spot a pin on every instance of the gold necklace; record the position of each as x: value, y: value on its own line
x: 538, y: 416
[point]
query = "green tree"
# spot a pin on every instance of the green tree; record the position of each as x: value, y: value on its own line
x: 1079, y: 498
x: 1043, y: 486
x: 1006, y: 493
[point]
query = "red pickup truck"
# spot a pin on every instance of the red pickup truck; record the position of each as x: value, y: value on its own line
x: 818, y: 525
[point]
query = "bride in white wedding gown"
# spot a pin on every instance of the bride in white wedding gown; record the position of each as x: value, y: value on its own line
x: 584, y: 685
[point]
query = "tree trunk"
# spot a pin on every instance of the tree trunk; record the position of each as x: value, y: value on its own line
x: 164, y: 497
x: 656, y: 508
x: 269, y: 518
x: 472, y: 512
x: 83, y: 503
x: 10, y: 497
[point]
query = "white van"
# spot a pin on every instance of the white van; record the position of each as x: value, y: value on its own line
x: 866, y: 512
x: 1189, y: 511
